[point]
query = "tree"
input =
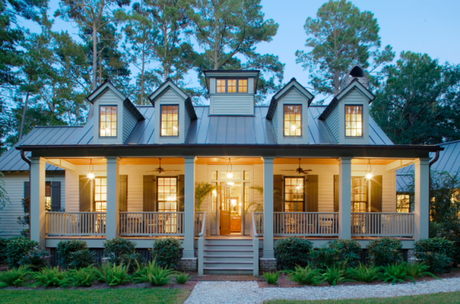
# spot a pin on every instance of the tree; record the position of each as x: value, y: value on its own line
x: 341, y: 37
x: 415, y: 105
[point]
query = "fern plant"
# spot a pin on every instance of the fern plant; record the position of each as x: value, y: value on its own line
x: 396, y: 273
x: 83, y: 277
x: 334, y: 275
x: 113, y: 274
x: 16, y: 276
x: 182, y: 278
x: 154, y: 274
x: 306, y: 276
x: 52, y: 277
x: 418, y: 270
x: 272, y: 277
x: 364, y: 273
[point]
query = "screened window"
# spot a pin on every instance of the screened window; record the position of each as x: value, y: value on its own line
x: 170, y: 120
x: 359, y: 186
x: 293, y: 120
x: 354, y: 120
x: 403, y: 203
x: 100, y: 194
x: 167, y: 194
x: 108, y: 121
x: 232, y: 86
x: 294, y: 194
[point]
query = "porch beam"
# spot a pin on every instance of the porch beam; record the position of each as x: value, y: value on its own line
x: 112, y: 220
x: 269, y: 252
x: 189, y: 208
x: 398, y: 164
x: 422, y: 199
x: 61, y: 163
x: 37, y: 200
x: 345, y: 197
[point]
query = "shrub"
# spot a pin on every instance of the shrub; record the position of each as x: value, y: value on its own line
x: 51, y: 277
x: 306, y: 276
x: 385, y: 251
x: 74, y: 254
x: 436, y: 253
x: 36, y: 259
x: 182, y: 278
x: 334, y: 275
x: 113, y: 274
x: 364, y: 273
x: 272, y: 277
x: 116, y: 249
x: 348, y: 250
x: 83, y: 277
x: 292, y: 252
x: 324, y: 257
x: 132, y: 261
x: 167, y: 252
x: 154, y: 274
x: 80, y: 259
x: 15, y: 277
x: 22, y: 251
x: 418, y: 270
x: 396, y: 273
x: 3, y: 251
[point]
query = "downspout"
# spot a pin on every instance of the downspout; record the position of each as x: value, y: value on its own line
x: 27, y: 160
x: 435, y: 159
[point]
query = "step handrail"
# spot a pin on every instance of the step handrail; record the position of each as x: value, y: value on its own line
x: 255, y: 246
x: 201, y: 240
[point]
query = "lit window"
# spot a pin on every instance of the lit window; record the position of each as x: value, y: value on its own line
x: 243, y: 85
x: 108, y: 121
x: 232, y: 85
x: 292, y: 120
x: 221, y: 84
x: 403, y: 203
x: 48, y: 196
x: 359, y: 194
x: 167, y: 194
x: 100, y: 194
x: 170, y: 120
x: 354, y: 121
x: 294, y: 194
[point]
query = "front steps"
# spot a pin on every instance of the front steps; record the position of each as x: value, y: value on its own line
x: 228, y: 256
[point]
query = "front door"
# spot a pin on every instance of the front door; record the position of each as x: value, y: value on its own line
x: 225, y: 210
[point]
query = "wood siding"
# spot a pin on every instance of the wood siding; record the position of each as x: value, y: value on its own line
x: 232, y: 104
x: 129, y: 122
x: 332, y: 122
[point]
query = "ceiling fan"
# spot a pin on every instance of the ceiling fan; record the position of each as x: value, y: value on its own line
x: 161, y: 170
x: 299, y: 170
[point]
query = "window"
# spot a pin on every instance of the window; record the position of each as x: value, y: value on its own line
x: 293, y: 120
x: 100, y: 194
x: 232, y: 85
x: 354, y: 121
x: 48, y: 196
x: 294, y: 194
x: 403, y: 203
x: 170, y: 120
x: 108, y: 121
x: 359, y: 194
x: 167, y: 194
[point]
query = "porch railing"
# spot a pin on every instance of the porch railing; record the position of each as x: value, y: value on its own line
x: 75, y: 223
x: 201, y: 242
x: 306, y: 223
x: 255, y: 244
x: 199, y: 219
x: 151, y: 223
x: 382, y: 224
x: 258, y: 218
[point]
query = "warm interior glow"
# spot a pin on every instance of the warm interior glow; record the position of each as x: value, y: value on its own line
x: 369, y: 175
x: 354, y: 121
x: 230, y: 175
x: 230, y: 183
x: 91, y: 175
x: 292, y: 120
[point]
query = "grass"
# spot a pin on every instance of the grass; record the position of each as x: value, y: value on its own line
x: 125, y: 295
x: 444, y: 298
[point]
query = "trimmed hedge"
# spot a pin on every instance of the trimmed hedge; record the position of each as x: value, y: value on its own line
x: 385, y: 251
x: 437, y: 253
x: 292, y: 252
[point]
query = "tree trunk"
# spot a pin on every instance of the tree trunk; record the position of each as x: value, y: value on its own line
x: 142, y: 77
x: 94, y: 57
x: 21, y: 129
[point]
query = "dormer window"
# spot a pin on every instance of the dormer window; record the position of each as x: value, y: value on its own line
x: 170, y: 120
x: 354, y: 121
x: 108, y: 121
x: 292, y: 120
x: 232, y: 86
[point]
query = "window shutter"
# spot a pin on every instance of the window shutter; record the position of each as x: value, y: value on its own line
x: 376, y: 194
x: 86, y: 193
x: 123, y: 199
x: 26, y: 189
x: 277, y: 193
x: 150, y: 194
x: 311, y: 193
x: 55, y: 196
x: 336, y: 193
x: 181, y: 193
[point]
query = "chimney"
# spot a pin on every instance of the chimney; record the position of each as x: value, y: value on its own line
x: 355, y: 73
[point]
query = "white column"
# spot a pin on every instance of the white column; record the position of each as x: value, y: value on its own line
x: 37, y: 200
x: 112, y: 197
x: 189, y: 208
x: 345, y: 198
x: 422, y: 199
x: 269, y: 252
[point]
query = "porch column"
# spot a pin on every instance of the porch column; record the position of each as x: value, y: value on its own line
x: 422, y: 199
x: 345, y: 197
x: 269, y: 252
x: 189, y: 208
x: 37, y: 200
x: 112, y: 197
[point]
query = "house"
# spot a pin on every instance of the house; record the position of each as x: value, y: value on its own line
x: 317, y: 172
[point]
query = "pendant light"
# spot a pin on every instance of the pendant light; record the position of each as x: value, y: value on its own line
x: 91, y: 174
x: 230, y: 172
x: 369, y: 175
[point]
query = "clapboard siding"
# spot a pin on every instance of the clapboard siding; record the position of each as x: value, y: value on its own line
x: 275, y: 123
x: 232, y: 104
x: 129, y: 122
x: 332, y: 122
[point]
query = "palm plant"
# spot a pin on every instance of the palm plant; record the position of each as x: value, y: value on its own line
x: 202, y: 190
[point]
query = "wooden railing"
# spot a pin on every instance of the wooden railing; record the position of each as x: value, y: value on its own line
x: 255, y: 244
x: 75, y: 223
x: 306, y: 223
x: 382, y: 224
x: 199, y: 218
x: 201, y: 241
x: 258, y: 221
x: 151, y: 223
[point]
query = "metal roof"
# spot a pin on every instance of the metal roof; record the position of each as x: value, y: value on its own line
x: 206, y: 129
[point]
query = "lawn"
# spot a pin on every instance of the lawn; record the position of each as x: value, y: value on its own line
x: 443, y: 297
x: 124, y: 295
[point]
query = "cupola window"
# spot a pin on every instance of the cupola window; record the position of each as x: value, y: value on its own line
x: 232, y: 85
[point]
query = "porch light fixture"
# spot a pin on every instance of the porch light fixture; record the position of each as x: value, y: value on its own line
x: 91, y: 174
x: 369, y: 175
x: 230, y: 172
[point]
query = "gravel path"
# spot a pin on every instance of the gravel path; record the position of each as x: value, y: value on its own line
x: 249, y: 292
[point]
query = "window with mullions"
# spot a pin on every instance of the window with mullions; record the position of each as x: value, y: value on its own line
x: 232, y: 86
x: 354, y: 121
x: 100, y: 194
x: 359, y: 192
x: 48, y: 196
x: 167, y: 194
x: 403, y: 204
x: 294, y: 199
x: 170, y: 120
x: 293, y: 120
x: 108, y: 121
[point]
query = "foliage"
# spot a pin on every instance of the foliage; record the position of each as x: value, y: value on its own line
x: 4, y: 198
x: 51, y: 277
x: 116, y: 249
x: 306, y: 275
x: 16, y: 276
x: 272, y: 277
x: 418, y: 270
x: 291, y: 252
x: 167, y: 252
x: 445, y: 190
x: 364, y: 273
x: 396, y: 273
x: 22, y: 251
x: 182, y: 278
x: 80, y: 259
x: 436, y: 253
x: 341, y: 37
x: 385, y: 251
x: 83, y: 277
x: 74, y: 254
x: 348, y: 250
x: 25, y: 220
x: 113, y: 274
x: 334, y: 275
x: 3, y: 250
x: 36, y: 259
x: 324, y: 257
x: 202, y: 190
x: 154, y: 274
